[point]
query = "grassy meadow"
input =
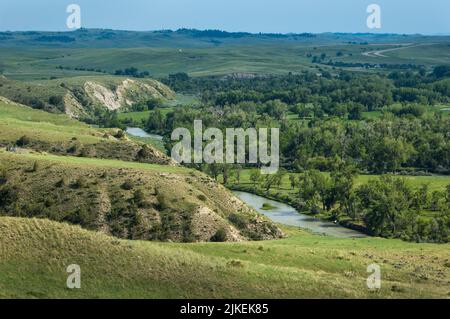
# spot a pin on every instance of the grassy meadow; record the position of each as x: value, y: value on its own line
x: 301, y: 266
x: 435, y: 183
x: 167, y: 107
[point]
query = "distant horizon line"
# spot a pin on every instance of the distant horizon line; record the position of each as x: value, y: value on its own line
x: 231, y: 32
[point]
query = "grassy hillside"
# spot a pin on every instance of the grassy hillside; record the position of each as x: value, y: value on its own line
x: 35, y: 254
x: 259, y: 58
x: 18, y: 120
x: 128, y: 200
x: 86, y: 96
x: 58, y: 134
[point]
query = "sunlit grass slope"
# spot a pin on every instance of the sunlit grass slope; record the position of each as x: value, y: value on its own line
x: 35, y: 253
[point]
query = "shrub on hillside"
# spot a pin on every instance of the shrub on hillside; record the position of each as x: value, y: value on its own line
x: 23, y: 141
x: 127, y: 185
x: 162, y: 202
x: 139, y: 198
x: 80, y: 182
x: 237, y: 220
x: 219, y: 236
x: 144, y: 153
x: 61, y: 183
x: 120, y: 134
x: 88, y: 151
x: 55, y: 100
x: 34, y: 103
x: 8, y: 195
x: 72, y: 149
x: 81, y: 217
x: 3, y: 177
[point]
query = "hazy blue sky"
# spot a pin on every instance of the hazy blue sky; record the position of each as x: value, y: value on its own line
x: 284, y: 16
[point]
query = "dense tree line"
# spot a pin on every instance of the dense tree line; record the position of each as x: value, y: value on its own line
x: 393, y: 143
x: 328, y: 92
x: 388, y: 144
x: 332, y: 108
x: 133, y: 72
x: 331, y: 135
x: 387, y: 206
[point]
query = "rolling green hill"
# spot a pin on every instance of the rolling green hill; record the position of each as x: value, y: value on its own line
x: 35, y: 254
x: 59, y: 134
x: 84, y: 97
x: 90, y: 187
x: 128, y: 200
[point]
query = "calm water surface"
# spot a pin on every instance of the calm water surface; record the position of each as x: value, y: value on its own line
x: 138, y: 132
x: 288, y: 215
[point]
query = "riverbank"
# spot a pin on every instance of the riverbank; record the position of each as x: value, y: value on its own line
x: 288, y: 200
x: 287, y: 215
x: 140, y: 135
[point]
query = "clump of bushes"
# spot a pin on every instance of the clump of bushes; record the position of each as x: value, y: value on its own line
x: 3, y: 177
x: 237, y: 220
x: 415, y: 110
x: 80, y: 182
x: 88, y: 152
x: 139, y: 198
x: 61, y: 183
x: 8, y: 195
x: 82, y: 217
x: 120, y: 134
x: 23, y: 141
x: 55, y: 100
x: 162, y: 202
x: 127, y: 185
x: 144, y: 153
x: 219, y: 236
x: 72, y: 149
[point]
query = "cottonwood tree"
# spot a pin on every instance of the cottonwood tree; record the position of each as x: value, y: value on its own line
x: 387, y: 202
x: 255, y: 176
x: 237, y: 173
x: 293, y: 181
x: 342, y: 179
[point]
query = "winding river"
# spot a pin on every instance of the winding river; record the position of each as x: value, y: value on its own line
x: 138, y: 132
x: 280, y: 213
x: 288, y: 215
